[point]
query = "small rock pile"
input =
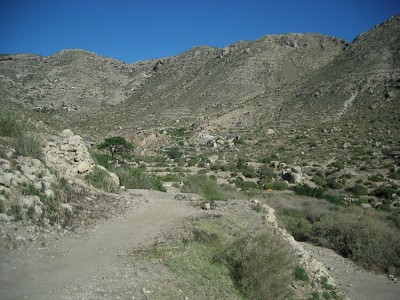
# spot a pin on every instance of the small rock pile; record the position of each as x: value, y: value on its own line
x: 15, y: 174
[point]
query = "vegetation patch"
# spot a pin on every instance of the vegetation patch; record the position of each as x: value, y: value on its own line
x: 254, y: 258
x: 204, y: 186
x: 100, y: 179
x: 210, y: 262
x: 137, y: 178
x: 10, y: 125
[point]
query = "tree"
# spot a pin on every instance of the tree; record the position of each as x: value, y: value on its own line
x: 115, y: 144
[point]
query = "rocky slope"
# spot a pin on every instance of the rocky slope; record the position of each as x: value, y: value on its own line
x: 202, y: 80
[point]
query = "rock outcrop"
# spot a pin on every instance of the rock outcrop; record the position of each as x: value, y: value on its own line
x: 68, y: 155
x: 314, y: 268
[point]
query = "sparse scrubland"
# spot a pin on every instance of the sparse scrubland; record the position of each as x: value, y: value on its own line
x: 306, y: 124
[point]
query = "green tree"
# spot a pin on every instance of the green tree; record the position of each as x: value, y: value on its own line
x: 115, y: 144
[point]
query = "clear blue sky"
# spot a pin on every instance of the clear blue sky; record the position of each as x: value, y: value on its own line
x: 144, y: 29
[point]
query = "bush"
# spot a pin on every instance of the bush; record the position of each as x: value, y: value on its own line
x: 27, y: 145
x: 268, y: 159
x: 359, y: 190
x: 249, y: 172
x: 174, y: 153
x: 261, y: 266
x: 377, y: 177
x: 384, y: 191
x: 339, y: 165
x: 278, y: 185
x: 301, y: 274
x: 102, y: 159
x: 395, y: 175
x: 366, y: 239
x: 100, y: 179
x: 306, y: 190
x: 136, y: 178
x: 171, y: 178
x: 319, y: 180
x: 266, y: 173
x: 245, y: 185
x: 10, y: 126
x: 334, y: 184
x: 203, y: 186
x: 296, y: 223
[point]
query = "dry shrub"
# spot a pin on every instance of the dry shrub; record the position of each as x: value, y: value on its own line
x: 261, y: 266
x: 362, y: 236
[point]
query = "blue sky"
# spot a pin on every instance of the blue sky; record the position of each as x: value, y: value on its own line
x: 144, y: 29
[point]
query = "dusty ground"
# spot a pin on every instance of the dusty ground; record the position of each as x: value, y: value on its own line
x: 93, y: 262
x: 69, y: 267
x: 353, y: 281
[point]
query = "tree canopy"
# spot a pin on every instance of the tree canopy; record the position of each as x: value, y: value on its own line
x: 115, y: 144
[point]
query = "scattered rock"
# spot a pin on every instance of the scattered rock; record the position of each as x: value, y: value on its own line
x: 6, y: 178
x: 83, y: 167
x: 206, y: 206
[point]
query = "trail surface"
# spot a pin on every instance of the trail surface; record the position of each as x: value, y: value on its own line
x: 73, y: 262
x: 93, y: 263
x: 353, y: 281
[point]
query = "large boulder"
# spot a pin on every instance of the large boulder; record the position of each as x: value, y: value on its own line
x: 68, y: 155
x: 293, y: 175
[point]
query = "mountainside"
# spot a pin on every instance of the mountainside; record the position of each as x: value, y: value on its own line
x: 364, y: 77
x: 279, y: 79
x: 201, y: 80
x: 291, y: 77
x: 294, y: 131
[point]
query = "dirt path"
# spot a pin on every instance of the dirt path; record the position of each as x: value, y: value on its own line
x: 73, y: 262
x: 354, y: 282
x: 93, y: 263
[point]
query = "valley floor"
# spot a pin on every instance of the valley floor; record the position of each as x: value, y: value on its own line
x: 95, y: 263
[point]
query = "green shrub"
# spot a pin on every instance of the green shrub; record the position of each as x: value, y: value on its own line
x: 278, y: 185
x: 326, y: 295
x: 161, y: 165
x: 315, y: 296
x: 33, y: 191
x: 100, y: 179
x: 395, y: 175
x: 296, y: 223
x: 359, y: 190
x: 174, y: 153
x: 306, y: 190
x: 339, y: 165
x: 249, y: 172
x: 301, y: 274
x: 245, y: 185
x: 366, y: 239
x: 177, y: 132
x: 334, y: 199
x: 10, y: 125
x: 27, y: 145
x: 203, y: 186
x: 394, y: 217
x: 334, y: 184
x: 260, y: 266
x: 268, y: 159
x: 319, y: 180
x: 137, y: 178
x: 377, y: 177
x: 384, y: 191
x: 266, y: 172
x: 16, y: 211
x: 171, y: 178
x: 102, y: 159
